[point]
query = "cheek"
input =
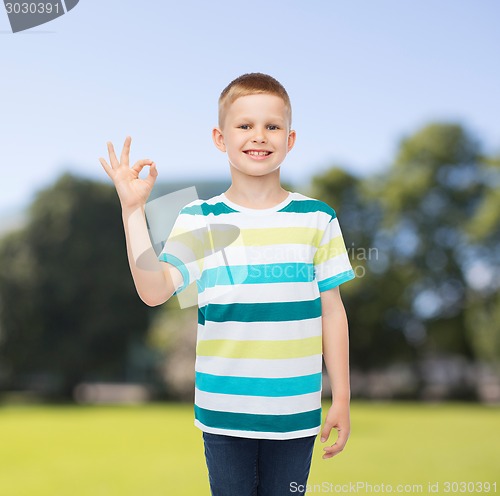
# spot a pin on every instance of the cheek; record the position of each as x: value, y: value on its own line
x: 235, y: 145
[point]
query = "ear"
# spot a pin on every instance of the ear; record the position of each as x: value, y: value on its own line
x: 292, y: 136
x: 218, y: 138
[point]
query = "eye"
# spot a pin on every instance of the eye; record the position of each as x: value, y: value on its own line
x: 272, y: 127
x: 244, y: 126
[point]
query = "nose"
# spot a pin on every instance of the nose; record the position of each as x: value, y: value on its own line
x: 259, y: 135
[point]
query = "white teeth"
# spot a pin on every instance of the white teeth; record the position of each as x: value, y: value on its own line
x: 257, y: 153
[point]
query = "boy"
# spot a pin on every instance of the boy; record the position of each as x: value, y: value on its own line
x: 269, y: 305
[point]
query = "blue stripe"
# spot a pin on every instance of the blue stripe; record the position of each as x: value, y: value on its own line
x: 257, y: 274
x: 257, y: 386
x: 263, y: 312
x: 335, y: 281
x: 258, y: 423
x: 207, y: 209
x: 309, y: 206
x: 167, y: 257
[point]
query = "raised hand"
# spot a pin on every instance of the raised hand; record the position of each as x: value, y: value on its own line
x: 132, y: 191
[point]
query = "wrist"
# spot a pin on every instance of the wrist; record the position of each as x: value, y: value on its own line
x: 127, y: 210
x: 341, y: 398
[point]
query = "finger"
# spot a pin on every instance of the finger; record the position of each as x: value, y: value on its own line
x: 333, y: 450
x: 153, y: 174
x: 342, y: 437
x: 140, y: 164
x: 325, y: 433
x: 331, y: 454
x: 105, y: 166
x: 124, y: 160
x: 112, y: 155
x: 338, y: 446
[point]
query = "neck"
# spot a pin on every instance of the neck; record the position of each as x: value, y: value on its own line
x: 256, y: 191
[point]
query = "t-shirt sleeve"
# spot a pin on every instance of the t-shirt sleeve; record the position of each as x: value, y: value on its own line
x: 331, y: 261
x: 185, y: 247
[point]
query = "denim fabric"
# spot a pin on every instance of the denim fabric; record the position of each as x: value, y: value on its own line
x: 257, y: 467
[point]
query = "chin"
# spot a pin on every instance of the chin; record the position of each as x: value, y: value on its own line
x: 256, y: 170
x: 253, y: 172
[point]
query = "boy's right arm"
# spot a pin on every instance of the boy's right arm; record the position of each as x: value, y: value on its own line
x: 155, y: 281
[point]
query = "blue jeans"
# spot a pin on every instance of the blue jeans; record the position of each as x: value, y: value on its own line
x: 240, y: 466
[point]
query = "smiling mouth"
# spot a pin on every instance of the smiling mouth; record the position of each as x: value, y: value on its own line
x: 258, y: 153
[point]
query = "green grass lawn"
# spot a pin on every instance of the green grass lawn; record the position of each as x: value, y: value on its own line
x: 155, y: 450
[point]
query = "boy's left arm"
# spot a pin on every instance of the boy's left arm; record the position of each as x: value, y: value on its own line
x: 336, y: 356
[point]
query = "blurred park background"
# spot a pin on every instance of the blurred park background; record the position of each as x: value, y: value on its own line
x: 396, y: 109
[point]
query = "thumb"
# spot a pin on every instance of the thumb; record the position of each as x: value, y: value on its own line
x: 153, y: 173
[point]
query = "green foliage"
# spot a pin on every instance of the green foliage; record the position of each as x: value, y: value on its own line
x: 172, y: 334
x: 69, y: 309
x: 485, y: 224
x: 482, y: 319
x: 429, y: 218
x: 373, y: 343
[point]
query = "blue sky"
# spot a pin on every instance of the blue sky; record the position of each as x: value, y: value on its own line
x: 360, y: 74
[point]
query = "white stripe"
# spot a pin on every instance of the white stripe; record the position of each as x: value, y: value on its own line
x: 261, y: 293
x: 259, y: 435
x: 237, y: 254
x: 260, y: 405
x: 269, y: 331
x: 286, y: 219
x: 332, y: 229
x: 333, y: 266
x: 253, y: 367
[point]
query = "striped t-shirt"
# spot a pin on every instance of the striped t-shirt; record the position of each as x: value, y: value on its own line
x: 259, y: 274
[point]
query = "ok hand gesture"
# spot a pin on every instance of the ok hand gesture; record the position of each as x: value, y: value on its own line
x: 132, y: 191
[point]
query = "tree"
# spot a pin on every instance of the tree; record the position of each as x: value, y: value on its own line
x: 432, y: 220
x: 369, y: 299
x: 69, y: 309
x: 430, y: 194
x: 482, y: 267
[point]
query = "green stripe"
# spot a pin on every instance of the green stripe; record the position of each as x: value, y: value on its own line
x: 258, y: 423
x: 263, y: 312
x: 201, y: 317
x: 307, y: 206
x: 260, y: 349
x: 207, y: 209
x: 259, y: 386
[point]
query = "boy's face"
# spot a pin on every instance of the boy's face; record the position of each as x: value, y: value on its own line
x: 255, y: 134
